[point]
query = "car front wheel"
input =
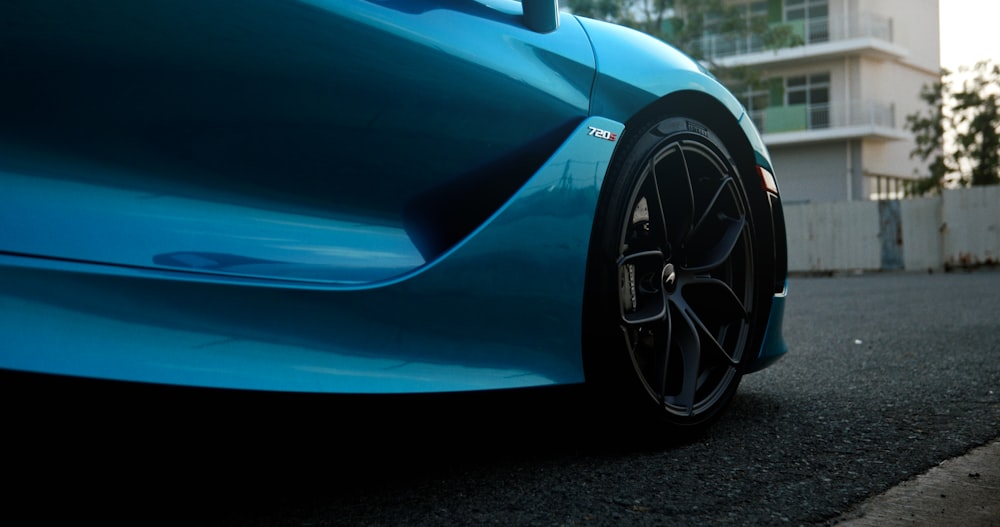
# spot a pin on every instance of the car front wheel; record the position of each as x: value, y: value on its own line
x: 674, y: 292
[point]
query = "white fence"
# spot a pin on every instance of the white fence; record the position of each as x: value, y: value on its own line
x: 960, y: 228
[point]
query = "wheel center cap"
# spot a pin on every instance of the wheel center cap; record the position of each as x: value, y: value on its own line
x: 669, y: 278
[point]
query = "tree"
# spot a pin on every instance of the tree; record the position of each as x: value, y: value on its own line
x: 685, y: 23
x: 976, y: 113
x: 648, y: 16
x: 928, y: 127
x: 958, y: 136
x: 691, y: 26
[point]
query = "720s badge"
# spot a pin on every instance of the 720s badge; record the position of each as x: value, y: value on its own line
x: 603, y: 134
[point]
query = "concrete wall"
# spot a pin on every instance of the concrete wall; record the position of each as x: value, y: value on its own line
x: 959, y: 228
x: 921, y: 233
x: 970, y: 226
x: 833, y: 236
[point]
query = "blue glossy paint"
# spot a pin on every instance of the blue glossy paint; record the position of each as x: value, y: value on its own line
x: 60, y: 219
x: 481, y: 317
x: 356, y: 197
x: 635, y: 69
x: 357, y: 113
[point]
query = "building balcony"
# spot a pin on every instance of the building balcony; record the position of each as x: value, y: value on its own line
x: 808, y: 123
x: 822, y: 37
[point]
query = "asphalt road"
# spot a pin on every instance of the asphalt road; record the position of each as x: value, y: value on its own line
x: 888, y: 375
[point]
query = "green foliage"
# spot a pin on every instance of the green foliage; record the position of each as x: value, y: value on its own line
x: 647, y: 16
x: 958, y: 136
x: 684, y: 24
x: 928, y: 127
x: 610, y: 10
x: 976, y: 115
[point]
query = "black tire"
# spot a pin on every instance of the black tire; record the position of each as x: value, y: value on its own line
x: 678, y: 289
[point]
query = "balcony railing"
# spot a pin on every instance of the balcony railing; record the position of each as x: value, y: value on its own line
x: 811, y: 31
x: 798, y: 117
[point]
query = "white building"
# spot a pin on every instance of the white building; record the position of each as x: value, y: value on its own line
x: 833, y: 110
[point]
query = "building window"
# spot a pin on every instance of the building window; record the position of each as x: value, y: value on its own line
x: 725, y: 40
x: 812, y: 92
x: 814, y: 15
x: 751, y: 11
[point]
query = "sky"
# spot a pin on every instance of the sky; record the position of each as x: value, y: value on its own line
x: 969, y: 32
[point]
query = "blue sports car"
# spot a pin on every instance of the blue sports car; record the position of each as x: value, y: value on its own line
x: 380, y: 196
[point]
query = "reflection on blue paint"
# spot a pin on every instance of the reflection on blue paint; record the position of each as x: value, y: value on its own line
x: 63, y: 219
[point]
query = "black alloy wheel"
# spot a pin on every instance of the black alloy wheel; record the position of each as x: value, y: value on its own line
x: 677, y: 244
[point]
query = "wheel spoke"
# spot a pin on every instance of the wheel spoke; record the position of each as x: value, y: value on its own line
x: 649, y: 347
x: 660, y: 211
x: 689, y: 346
x: 713, y: 205
x: 714, y: 301
x: 676, y: 198
x: 718, y: 253
x: 710, y: 345
x: 662, y: 363
x: 717, y: 230
x: 659, y: 380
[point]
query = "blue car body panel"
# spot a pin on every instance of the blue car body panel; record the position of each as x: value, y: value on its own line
x: 479, y: 317
x: 204, y: 195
